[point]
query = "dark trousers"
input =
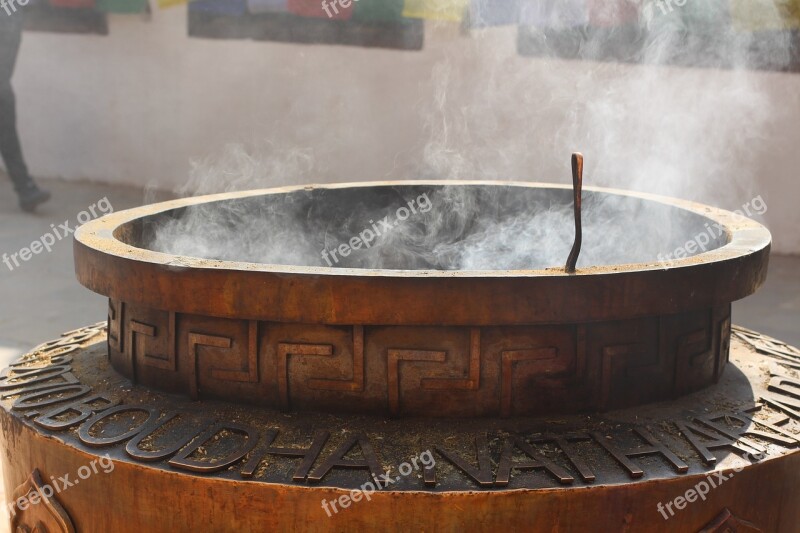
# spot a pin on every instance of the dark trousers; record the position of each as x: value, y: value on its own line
x: 10, y: 36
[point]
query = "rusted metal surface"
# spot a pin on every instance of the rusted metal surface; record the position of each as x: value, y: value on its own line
x: 577, y: 188
x: 188, y: 466
x: 420, y: 343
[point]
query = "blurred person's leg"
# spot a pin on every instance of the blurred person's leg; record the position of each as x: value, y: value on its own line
x: 30, y: 195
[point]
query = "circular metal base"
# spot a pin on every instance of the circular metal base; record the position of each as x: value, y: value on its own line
x: 98, y: 453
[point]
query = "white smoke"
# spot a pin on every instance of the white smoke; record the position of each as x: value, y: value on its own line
x: 680, y: 100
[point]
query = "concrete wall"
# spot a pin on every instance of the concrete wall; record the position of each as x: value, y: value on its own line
x: 138, y: 106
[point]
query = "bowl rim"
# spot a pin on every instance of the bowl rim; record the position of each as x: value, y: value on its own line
x: 744, y: 235
x: 348, y: 296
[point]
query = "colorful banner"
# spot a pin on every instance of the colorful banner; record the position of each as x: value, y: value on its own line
x: 452, y: 10
x: 378, y: 10
x: 268, y: 6
x: 611, y: 13
x: 761, y: 15
x: 485, y: 13
x: 324, y: 9
x: 219, y: 7
x: 123, y: 6
x: 72, y: 3
x: 554, y: 14
x: 163, y: 4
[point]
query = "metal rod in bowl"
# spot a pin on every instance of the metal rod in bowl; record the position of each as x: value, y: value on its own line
x: 577, y: 187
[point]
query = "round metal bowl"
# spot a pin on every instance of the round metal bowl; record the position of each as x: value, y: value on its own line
x: 409, y: 339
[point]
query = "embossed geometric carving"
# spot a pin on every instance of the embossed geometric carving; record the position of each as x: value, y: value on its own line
x: 393, y: 379
x: 471, y: 382
x: 137, y: 345
x: 249, y: 374
x: 357, y: 383
x: 138, y: 334
x: 422, y: 370
x: 509, y: 359
x: 315, y: 364
x: 285, y: 351
x: 195, y: 340
x: 724, y: 346
x: 635, y: 362
x: 540, y: 368
x: 696, y: 361
x: 116, y: 312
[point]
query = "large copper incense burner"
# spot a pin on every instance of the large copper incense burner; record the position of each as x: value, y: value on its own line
x: 412, y: 356
x: 411, y: 340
